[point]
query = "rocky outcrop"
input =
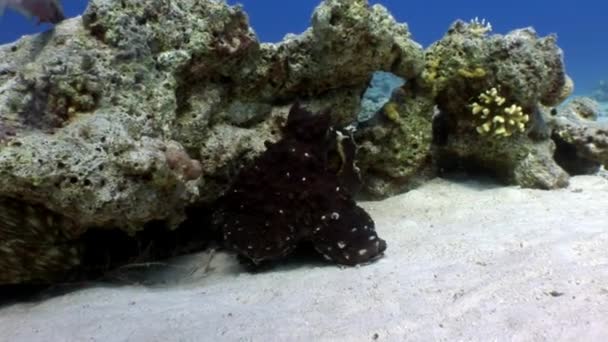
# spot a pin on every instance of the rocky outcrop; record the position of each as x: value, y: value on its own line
x: 488, y: 89
x: 138, y: 109
x: 395, y: 147
x: 582, y: 141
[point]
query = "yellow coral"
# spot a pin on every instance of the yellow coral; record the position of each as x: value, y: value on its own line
x: 493, y: 116
x: 472, y: 73
x: 391, y: 111
x: 431, y: 69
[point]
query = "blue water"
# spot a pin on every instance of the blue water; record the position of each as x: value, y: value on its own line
x: 580, y: 25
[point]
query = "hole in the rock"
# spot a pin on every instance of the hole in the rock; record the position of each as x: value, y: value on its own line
x: 379, y: 91
x: 567, y: 157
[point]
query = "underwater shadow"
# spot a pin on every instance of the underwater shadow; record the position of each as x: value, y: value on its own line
x: 163, y: 273
x: 476, y: 181
x: 36, y: 293
x: 191, y: 269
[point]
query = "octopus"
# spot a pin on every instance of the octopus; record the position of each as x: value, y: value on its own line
x: 300, y: 192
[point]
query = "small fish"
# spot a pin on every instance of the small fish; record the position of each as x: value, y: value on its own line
x: 47, y: 11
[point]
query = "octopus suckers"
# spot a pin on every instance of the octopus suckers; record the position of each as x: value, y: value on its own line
x: 334, y: 216
x: 362, y: 251
x: 341, y: 244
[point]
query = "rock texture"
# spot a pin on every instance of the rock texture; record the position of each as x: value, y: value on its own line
x: 138, y: 109
x: 582, y: 142
x: 395, y: 147
x: 483, y: 85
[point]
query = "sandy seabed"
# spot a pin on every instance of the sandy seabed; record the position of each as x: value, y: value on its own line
x: 466, y: 260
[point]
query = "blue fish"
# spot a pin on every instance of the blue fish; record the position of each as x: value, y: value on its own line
x: 47, y: 11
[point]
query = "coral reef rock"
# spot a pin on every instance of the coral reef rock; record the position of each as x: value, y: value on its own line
x: 395, y: 146
x: 299, y: 190
x: 138, y: 109
x: 489, y: 90
x: 582, y: 142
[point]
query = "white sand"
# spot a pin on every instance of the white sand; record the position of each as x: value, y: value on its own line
x: 466, y: 261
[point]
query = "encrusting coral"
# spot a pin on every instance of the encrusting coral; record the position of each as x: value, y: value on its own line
x: 394, y: 152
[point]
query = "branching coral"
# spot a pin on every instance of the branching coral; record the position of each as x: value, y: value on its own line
x: 479, y: 28
x: 493, y: 115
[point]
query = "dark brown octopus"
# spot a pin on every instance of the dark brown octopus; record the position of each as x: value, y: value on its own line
x: 299, y: 190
